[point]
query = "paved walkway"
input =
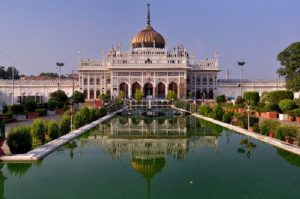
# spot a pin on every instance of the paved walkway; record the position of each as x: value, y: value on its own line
x: 46, y: 149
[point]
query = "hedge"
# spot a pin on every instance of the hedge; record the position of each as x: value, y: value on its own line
x: 65, y: 125
x: 53, y: 130
x: 19, y: 140
x: 276, y: 96
x: 37, y: 131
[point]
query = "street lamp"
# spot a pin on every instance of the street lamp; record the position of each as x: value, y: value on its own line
x: 59, y: 65
x: 241, y: 64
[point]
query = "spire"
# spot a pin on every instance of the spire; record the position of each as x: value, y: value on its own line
x: 148, y: 15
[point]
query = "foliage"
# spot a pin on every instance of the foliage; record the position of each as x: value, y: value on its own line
x: 256, y: 128
x: 65, y: 125
x: 204, y: 110
x: 53, y: 130
x: 286, y: 105
x: 267, y: 125
x: 270, y: 108
x: 77, y: 97
x: 17, y: 109
x: 138, y: 95
x: 59, y: 96
x: 251, y: 97
x: 60, y: 105
x: 242, y: 120
x: 92, y: 114
x: 290, y: 157
x: 37, y: 131
x: 276, y: 96
x: 121, y: 95
x: 239, y: 100
x: 100, y: 113
x: 265, y: 97
x: 18, y: 169
x: 52, y: 104
x: 30, y: 106
x: 221, y: 99
x: 171, y: 95
x: 227, y: 117
x: 19, y: 140
x: 259, y: 107
x: 290, y: 61
x: 217, y: 112
x: 42, y: 112
x: 7, y: 73
x: 286, y: 131
x: 78, y: 121
x: 104, y: 97
x: 85, y: 114
x: 296, y: 112
x: 51, y: 75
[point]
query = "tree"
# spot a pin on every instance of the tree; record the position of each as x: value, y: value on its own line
x: 171, y: 95
x: 290, y: 61
x: 251, y: 97
x: 104, y: 97
x: 10, y: 72
x: 77, y: 97
x: 51, y: 75
x: 221, y: 99
x: 2, y: 72
x: 59, y: 96
x: 138, y: 95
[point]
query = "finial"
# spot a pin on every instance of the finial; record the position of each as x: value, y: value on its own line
x: 148, y: 16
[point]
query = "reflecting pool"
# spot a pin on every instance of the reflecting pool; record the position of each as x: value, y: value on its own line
x: 176, y: 157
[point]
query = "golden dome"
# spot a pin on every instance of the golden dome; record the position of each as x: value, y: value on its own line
x: 148, y: 37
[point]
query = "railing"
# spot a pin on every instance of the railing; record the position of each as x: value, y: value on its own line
x: 114, y: 107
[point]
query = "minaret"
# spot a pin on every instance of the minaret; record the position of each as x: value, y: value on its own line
x: 148, y: 15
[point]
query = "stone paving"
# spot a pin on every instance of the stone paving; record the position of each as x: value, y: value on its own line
x: 46, y: 149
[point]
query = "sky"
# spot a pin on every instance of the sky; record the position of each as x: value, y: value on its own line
x: 35, y: 34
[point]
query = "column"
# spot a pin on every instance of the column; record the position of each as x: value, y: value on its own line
x: 88, y: 86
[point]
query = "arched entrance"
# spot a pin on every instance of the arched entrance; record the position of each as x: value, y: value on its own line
x: 173, y: 87
x: 148, y: 90
x: 204, y: 94
x: 92, y: 94
x: 124, y: 87
x: 85, y: 94
x: 134, y: 87
x: 97, y: 93
x: 161, y: 90
x: 210, y: 94
x: 198, y: 94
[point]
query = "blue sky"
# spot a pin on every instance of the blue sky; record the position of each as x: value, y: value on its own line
x: 35, y: 34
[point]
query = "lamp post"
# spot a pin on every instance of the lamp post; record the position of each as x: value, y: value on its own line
x: 241, y: 64
x: 248, y: 110
x: 59, y: 65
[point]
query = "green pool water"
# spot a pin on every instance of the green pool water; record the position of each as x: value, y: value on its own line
x: 179, y: 157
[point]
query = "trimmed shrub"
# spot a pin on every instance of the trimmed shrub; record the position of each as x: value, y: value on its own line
x: 227, y: 117
x: 221, y: 99
x: 251, y: 97
x: 60, y: 105
x: 204, y: 110
x: 92, y: 114
x: 59, y: 96
x: 78, y: 121
x: 65, y: 125
x: 171, y: 95
x: 267, y: 125
x: 17, y: 109
x: 52, y: 104
x: 239, y: 100
x: 217, y: 112
x: 296, y: 112
x: 286, y: 131
x: 19, y: 140
x: 100, y: 113
x: 286, y: 105
x: 77, y: 97
x: 276, y: 96
x: 85, y: 114
x: 37, y: 131
x: 270, y: 108
x: 42, y: 112
x: 53, y: 130
x: 30, y: 106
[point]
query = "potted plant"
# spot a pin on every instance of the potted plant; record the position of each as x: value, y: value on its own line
x: 52, y: 104
x: 287, y: 133
x: 270, y: 111
x: 18, y: 112
x: 268, y: 127
x: 297, y: 114
x: 30, y: 107
x: 285, y: 105
x: 291, y: 115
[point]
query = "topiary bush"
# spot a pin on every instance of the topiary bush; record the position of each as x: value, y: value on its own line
x: 85, y: 114
x: 286, y: 105
x: 19, y: 140
x: 37, y: 131
x: 42, y: 112
x: 286, y: 131
x: 52, y: 104
x: 251, y: 97
x: 204, y: 110
x: 227, y: 117
x: 221, y: 99
x: 65, y: 125
x: 217, y: 112
x: 59, y: 96
x: 53, y: 130
x: 30, y: 106
x: 92, y: 114
x: 78, y: 121
x: 239, y: 100
x: 100, y: 113
x: 270, y: 108
x: 17, y: 109
x: 276, y: 96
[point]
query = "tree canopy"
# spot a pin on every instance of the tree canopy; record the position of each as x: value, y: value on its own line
x: 59, y: 96
x: 290, y: 61
x: 77, y: 97
x: 51, y: 75
x: 6, y: 73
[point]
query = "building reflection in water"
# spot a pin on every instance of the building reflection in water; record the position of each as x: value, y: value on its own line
x: 149, y: 141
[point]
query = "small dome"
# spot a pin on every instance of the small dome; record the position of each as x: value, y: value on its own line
x: 148, y: 37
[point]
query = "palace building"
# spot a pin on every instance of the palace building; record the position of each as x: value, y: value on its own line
x: 149, y: 66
